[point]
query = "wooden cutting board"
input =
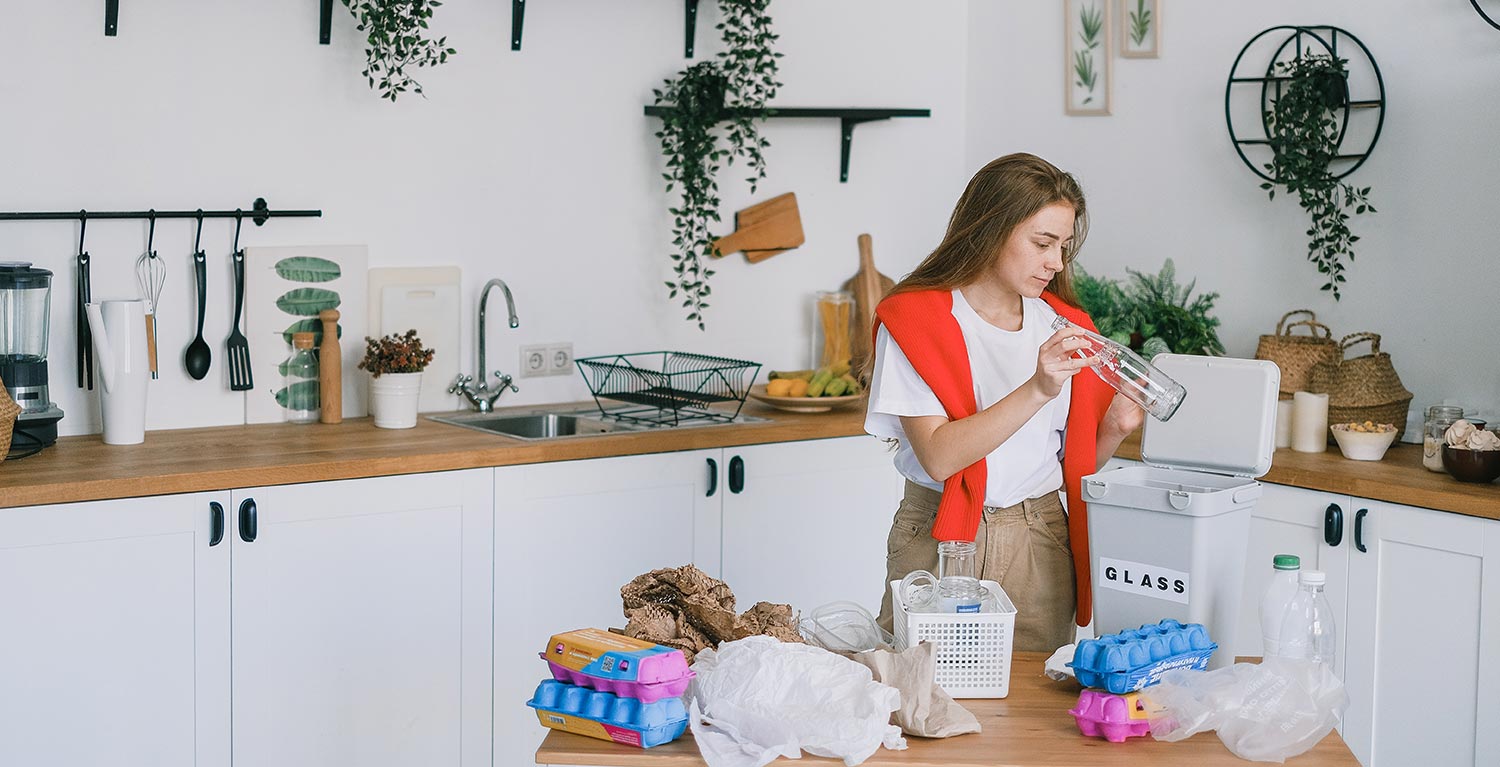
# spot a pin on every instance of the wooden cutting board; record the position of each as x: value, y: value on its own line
x: 764, y: 229
x: 868, y: 287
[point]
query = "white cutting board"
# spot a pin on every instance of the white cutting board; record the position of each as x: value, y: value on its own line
x: 428, y: 299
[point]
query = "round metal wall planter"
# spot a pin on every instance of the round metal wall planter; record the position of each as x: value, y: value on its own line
x: 1359, y: 102
x: 1487, y: 18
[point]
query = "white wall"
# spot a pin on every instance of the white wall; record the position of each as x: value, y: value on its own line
x: 534, y: 166
x: 1164, y: 181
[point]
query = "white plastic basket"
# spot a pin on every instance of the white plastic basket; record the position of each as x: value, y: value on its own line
x: 973, y: 649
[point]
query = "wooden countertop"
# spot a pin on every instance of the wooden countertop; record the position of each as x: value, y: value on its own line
x: 83, y: 468
x: 1029, y: 728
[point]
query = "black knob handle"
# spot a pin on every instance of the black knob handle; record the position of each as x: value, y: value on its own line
x: 1359, y: 529
x: 1333, y: 525
x: 215, y: 523
x: 713, y: 477
x: 736, y: 475
x: 248, y: 522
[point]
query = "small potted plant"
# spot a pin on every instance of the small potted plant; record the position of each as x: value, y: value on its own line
x: 395, y: 364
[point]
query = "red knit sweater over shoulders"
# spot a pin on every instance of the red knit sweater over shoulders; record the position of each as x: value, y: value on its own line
x: 922, y: 324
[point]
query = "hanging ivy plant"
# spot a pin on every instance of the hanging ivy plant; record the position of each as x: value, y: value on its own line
x: 734, y: 88
x: 1303, y: 129
x: 396, y: 40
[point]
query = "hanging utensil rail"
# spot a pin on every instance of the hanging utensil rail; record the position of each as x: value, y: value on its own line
x: 258, y: 212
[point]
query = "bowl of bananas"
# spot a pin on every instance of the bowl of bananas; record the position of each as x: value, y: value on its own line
x: 810, y: 391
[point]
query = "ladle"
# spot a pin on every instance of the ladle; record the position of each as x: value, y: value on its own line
x: 198, y: 356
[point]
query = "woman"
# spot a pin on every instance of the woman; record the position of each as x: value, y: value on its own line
x: 981, y: 396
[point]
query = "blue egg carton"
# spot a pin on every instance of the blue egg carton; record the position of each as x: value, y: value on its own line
x: 604, y: 715
x: 1134, y: 658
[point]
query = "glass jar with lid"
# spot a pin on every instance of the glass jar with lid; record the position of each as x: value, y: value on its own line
x: 1439, y: 418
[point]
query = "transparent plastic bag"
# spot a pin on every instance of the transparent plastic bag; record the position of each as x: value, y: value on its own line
x: 844, y: 627
x: 1263, y: 712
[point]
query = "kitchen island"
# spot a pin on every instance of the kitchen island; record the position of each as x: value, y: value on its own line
x: 1029, y: 728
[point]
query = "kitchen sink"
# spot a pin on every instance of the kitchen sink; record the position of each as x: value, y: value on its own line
x: 560, y: 424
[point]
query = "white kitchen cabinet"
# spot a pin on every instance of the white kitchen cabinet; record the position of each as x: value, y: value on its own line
x: 1314, y: 525
x: 807, y: 524
x: 362, y: 620
x: 568, y: 535
x: 1424, y: 623
x: 114, y: 633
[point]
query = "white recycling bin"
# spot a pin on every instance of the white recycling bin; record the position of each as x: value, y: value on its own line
x: 1169, y: 539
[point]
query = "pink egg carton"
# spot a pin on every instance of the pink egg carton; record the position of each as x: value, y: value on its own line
x: 645, y: 692
x: 1113, y: 717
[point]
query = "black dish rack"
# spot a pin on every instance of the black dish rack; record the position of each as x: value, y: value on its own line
x: 669, y: 387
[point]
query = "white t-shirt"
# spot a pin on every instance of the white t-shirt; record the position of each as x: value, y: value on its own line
x: 1027, y: 465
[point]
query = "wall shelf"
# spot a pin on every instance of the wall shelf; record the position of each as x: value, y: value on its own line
x: 848, y: 118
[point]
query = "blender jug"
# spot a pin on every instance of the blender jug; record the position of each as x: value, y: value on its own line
x: 25, y: 304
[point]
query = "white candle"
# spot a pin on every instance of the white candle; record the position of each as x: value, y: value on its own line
x: 1309, y: 422
x: 1283, y: 423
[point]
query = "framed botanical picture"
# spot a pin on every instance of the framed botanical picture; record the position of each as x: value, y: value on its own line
x: 1087, y: 49
x: 1140, y: 29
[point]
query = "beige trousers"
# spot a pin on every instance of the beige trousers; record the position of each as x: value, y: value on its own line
x: 1023, y: 547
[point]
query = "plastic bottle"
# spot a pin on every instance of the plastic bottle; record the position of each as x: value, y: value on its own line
x: 1274, y: 601
x: 302, y: 381
x: 1307, y: 628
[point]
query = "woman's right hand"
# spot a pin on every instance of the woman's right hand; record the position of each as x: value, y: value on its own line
x: 1055, y: 362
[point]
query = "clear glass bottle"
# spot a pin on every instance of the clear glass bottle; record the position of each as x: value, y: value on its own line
x: 300, y: 394
x: 1307, y: 629
x: 1129, y: 373
x: 1439, y: 418
x: 956, y: 589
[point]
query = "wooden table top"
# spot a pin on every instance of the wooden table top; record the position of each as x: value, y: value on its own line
x: 1029, y: 728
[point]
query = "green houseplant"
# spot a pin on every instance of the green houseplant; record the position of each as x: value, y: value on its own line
x: 1151, y: 313
x: 396, y: 38
x: 734, y: 88
x: 1303, y: 129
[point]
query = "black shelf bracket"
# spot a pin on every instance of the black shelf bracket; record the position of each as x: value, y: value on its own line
x: 691, y: 25
x: 517, y: 22
x: 325, y: 21
x: 111, y: 17
x: 848, y: 118
x: 259, y: 212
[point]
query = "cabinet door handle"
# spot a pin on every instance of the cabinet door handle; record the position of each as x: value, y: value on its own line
x: 1333, y: 525
x: 713, y: 477
x: 215, y: 523
x: 248, y: 522
x: 1359, y: 529
x: 736, y: 475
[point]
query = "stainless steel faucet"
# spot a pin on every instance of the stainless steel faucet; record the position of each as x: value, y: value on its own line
x: 480, y: 397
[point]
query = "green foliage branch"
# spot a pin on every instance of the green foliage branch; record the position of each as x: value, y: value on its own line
x: 1140, y: 22
x: 1091, y: 21
x: 395, y: 353
x: 1151, y: 313
x: 1303, y: 128
x: 396, y: 40
x: 733, y: 88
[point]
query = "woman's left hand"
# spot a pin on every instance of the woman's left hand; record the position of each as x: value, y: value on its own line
x: 1123, y: 416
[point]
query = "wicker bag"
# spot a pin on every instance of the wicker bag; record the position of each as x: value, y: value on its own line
x: 1297, y: 354
x: 1364, y: 388
x: 8, y: 412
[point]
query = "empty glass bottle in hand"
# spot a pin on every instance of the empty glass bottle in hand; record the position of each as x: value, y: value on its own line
x: 1128, y: 373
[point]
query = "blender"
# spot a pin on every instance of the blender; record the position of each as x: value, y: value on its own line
x: 25, y: 305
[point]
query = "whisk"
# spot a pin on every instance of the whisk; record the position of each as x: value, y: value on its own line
x: 151, y: 274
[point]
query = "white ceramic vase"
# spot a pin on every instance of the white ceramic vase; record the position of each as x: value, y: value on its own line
x: 393, y: 399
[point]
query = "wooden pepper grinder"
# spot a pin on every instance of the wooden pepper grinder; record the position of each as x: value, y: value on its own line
x: 330, y: 370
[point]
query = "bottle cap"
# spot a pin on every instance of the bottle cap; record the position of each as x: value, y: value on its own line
x: 302, y: 340
x: 1286, y: 562
x: 1312, y: 578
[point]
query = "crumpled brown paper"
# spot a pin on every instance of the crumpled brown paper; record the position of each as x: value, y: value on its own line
x: 926, y: 709
x: 683, y: 607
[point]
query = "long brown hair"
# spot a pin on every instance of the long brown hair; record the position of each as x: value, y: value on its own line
x: 999, y: 197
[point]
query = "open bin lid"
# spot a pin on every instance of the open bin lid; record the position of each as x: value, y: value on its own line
x: 1226, y: 423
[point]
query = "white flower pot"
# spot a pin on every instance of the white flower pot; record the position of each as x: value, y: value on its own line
x: 393, y: 399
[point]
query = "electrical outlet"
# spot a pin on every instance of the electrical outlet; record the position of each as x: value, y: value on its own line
x: 534, y: 361
x: 560, y: 359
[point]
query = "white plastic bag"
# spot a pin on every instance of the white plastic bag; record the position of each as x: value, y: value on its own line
x: 1263, y: 712
x: 756, y: 699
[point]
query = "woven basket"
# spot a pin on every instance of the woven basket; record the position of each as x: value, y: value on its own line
x: 8, y: 412
x: 1364, y: 388
x: 1296, y: 354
